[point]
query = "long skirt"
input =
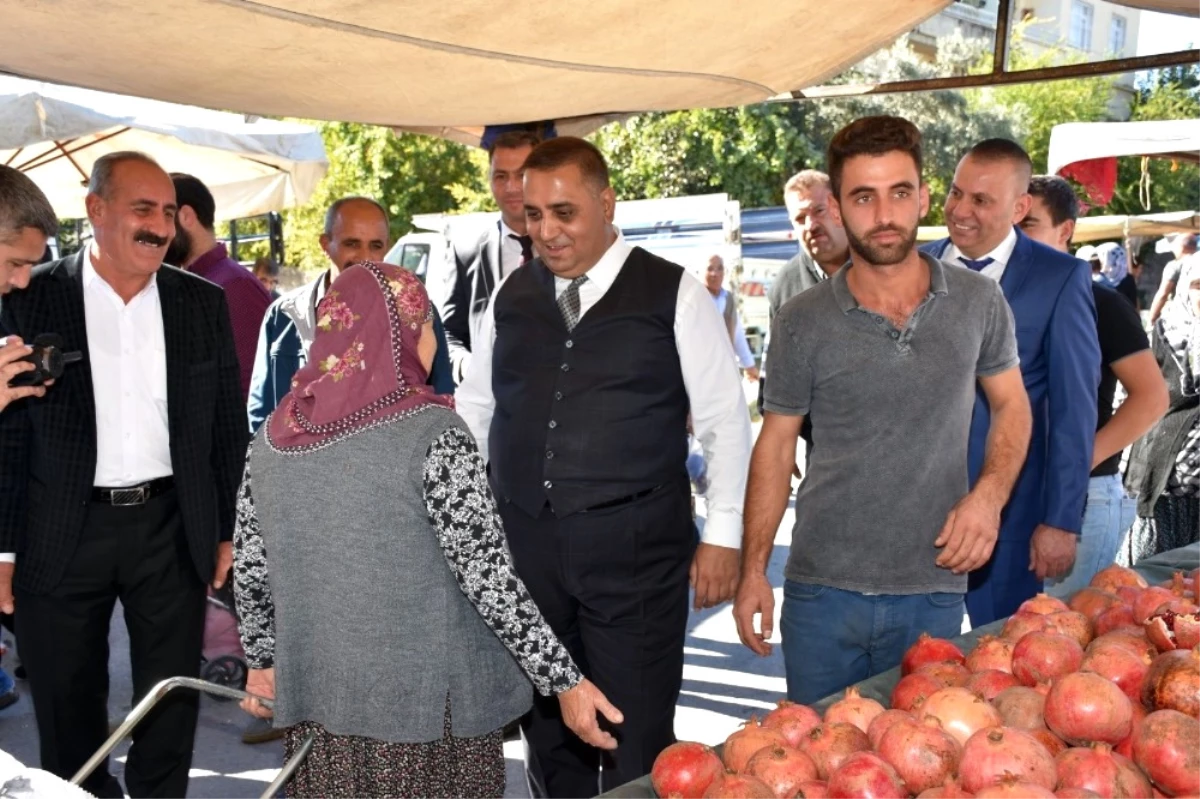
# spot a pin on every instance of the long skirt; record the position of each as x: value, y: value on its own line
x: 351, y: 766
x: 1176, y: 523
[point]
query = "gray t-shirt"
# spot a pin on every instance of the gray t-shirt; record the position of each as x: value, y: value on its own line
x: 891, y: 415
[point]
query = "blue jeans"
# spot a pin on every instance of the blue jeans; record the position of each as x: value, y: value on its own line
x: 834, y: 638
x: 1110, y: 512
x: 6, y: 682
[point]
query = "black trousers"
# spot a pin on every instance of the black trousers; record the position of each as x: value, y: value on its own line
x: 613, y: 585
x: 138, y: 554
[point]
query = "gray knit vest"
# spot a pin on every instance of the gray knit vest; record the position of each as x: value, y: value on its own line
x: 371, y: 630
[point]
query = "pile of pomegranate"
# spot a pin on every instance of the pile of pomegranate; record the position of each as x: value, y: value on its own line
x: 1098, y: 697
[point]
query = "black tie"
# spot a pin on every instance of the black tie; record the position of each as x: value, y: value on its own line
x: 526, y: 247
x: 976, y: 266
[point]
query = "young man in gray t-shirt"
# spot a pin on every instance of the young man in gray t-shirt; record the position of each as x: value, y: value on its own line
x: 883, y: 359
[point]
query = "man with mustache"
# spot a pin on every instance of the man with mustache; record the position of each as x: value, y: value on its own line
x: 478, y: 265
x: 884, y: 358
x: 588, y: 362
x: 196, y: 249
x: 1050, y: 294
x: 120, y: 482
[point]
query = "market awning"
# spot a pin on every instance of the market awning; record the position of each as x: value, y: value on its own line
x: 464, y: 63
x: 55, y: 133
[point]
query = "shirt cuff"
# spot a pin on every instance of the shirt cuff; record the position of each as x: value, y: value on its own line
x: 723, y: 528
x: 8, y: 557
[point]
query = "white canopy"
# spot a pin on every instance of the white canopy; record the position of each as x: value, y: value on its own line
x: 1099, y: 228
x: 1083, y: 141
x: 462, y: 63
x: 55, y: 133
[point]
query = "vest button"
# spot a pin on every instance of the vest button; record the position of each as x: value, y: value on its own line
x: 570, y: 344
x: 558, y: 395
x: 548, y: 485
x: 549, y: 454
x: 566, y: 367
x: 553, y: 424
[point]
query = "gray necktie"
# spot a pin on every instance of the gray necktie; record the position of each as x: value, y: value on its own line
x: 568, y: 303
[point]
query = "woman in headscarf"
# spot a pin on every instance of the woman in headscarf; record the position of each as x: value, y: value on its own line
x: 377, y: 599
x: 1164, y: 465
x: 1114, y: 267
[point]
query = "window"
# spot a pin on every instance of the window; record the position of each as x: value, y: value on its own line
x: 1116, y: 35
x: 1081, y: 25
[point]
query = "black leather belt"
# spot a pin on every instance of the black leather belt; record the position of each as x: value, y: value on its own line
x: 133, y: 495
x: 615, y: 503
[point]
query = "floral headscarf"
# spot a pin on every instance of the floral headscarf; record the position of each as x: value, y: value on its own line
x: 1114, y: 264
x: 1180, y: 326
x: 363, y: 368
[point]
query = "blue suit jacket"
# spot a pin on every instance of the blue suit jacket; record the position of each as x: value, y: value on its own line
x: 1050, y: 294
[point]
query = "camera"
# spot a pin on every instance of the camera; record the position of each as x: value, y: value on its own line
x: 48, y: 359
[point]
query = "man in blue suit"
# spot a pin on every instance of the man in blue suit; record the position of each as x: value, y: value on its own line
x: 1050, y: 294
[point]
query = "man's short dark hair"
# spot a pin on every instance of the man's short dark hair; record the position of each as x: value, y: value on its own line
x: 991, y: 150
x: 23, y: 205
x: 877, y: 135
x: 513, y: 140
x: 100, y: 182
x: 332, y: 214
x: 266, y: 266
x: 191, y: 192
x: 557, y: 153
x: 1057, y: 195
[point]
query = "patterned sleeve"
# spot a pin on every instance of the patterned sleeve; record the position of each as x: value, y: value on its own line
x: 251, y: 591
x: 460, y: 505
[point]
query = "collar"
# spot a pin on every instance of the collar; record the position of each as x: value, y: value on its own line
x: 1000, y: 256
x: 845, y: 298
x: 91, y: 278
x: 605, y: 271
x: 506, y: 231
x: 204, y: 264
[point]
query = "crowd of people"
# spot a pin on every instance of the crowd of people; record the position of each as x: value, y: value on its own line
x: 475, y: 494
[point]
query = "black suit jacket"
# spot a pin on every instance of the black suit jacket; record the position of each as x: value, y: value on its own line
x: 471, y: 279
x: 48, y: 444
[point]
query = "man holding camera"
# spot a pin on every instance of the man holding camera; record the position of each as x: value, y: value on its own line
x: 119, y: 482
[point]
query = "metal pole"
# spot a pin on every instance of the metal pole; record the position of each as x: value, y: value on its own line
x: 1000, y: 54
x: 290, y: 767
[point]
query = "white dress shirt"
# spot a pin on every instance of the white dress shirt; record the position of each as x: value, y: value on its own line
x: 741, y: 347
x: 719, y: 415
x: 128, y: 357
x: 510, y: 251
x: 999, y: 256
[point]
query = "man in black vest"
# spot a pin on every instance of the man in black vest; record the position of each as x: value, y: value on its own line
x: 588, y: 362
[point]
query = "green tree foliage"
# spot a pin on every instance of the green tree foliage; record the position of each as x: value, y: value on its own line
x: 407, y: 173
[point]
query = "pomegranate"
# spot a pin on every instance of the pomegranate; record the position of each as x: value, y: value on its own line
x: 961, y: 712
x: 1128, y: 594
x: 742, y: 745
x: 853, y: 709
x: 1012, y: 788
x: 813, y: 789
x: 987, y: 684
x: 1043, y: 604
x: 928, y: 649
x: 1120, y: 664
x: 1091, y: 602
x: 948, y: 673
x: 782, y: 769
x: 1076, y: 793
x: 1085, y: 707
x: 1114, y: 618
x: 1052, y: 742
x: 1114, y: 576
x: 865, y: 775
x: 738, y: 786
x: 792, y: 720
x: 1125, y: 748
x: 1133, y: 638
x: 950, y: 789
x: 1020, y: 625
x: 1097, y: 768
x: 1179, y: 586
x: 1167, y: 749
x: 923, y: 754
x: 1150, y: 600
x: 996, y: 752
x: 1173, y: 682
x: 991, y: 653
x: 1171, y: 629
x: 685, y: 770
x: 1073, y: 625
x: 829, y: 744
x: 1044, y: 657
x: 911, y: 691
x: 1021, y: 708
x: 883, y: 722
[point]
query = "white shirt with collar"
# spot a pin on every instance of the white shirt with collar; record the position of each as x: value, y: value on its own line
x: 741, y: 347
x: 719, y: 416
x: 128, y: 358
x: 510, y: 251
x: 1000, y: 256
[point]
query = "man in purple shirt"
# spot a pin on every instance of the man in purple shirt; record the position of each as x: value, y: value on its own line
x: 196, y: 249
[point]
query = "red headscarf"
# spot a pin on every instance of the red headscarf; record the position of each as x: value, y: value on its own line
x: 363, y: 368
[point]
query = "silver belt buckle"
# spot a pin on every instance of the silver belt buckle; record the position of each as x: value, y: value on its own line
x: 124, y: 497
